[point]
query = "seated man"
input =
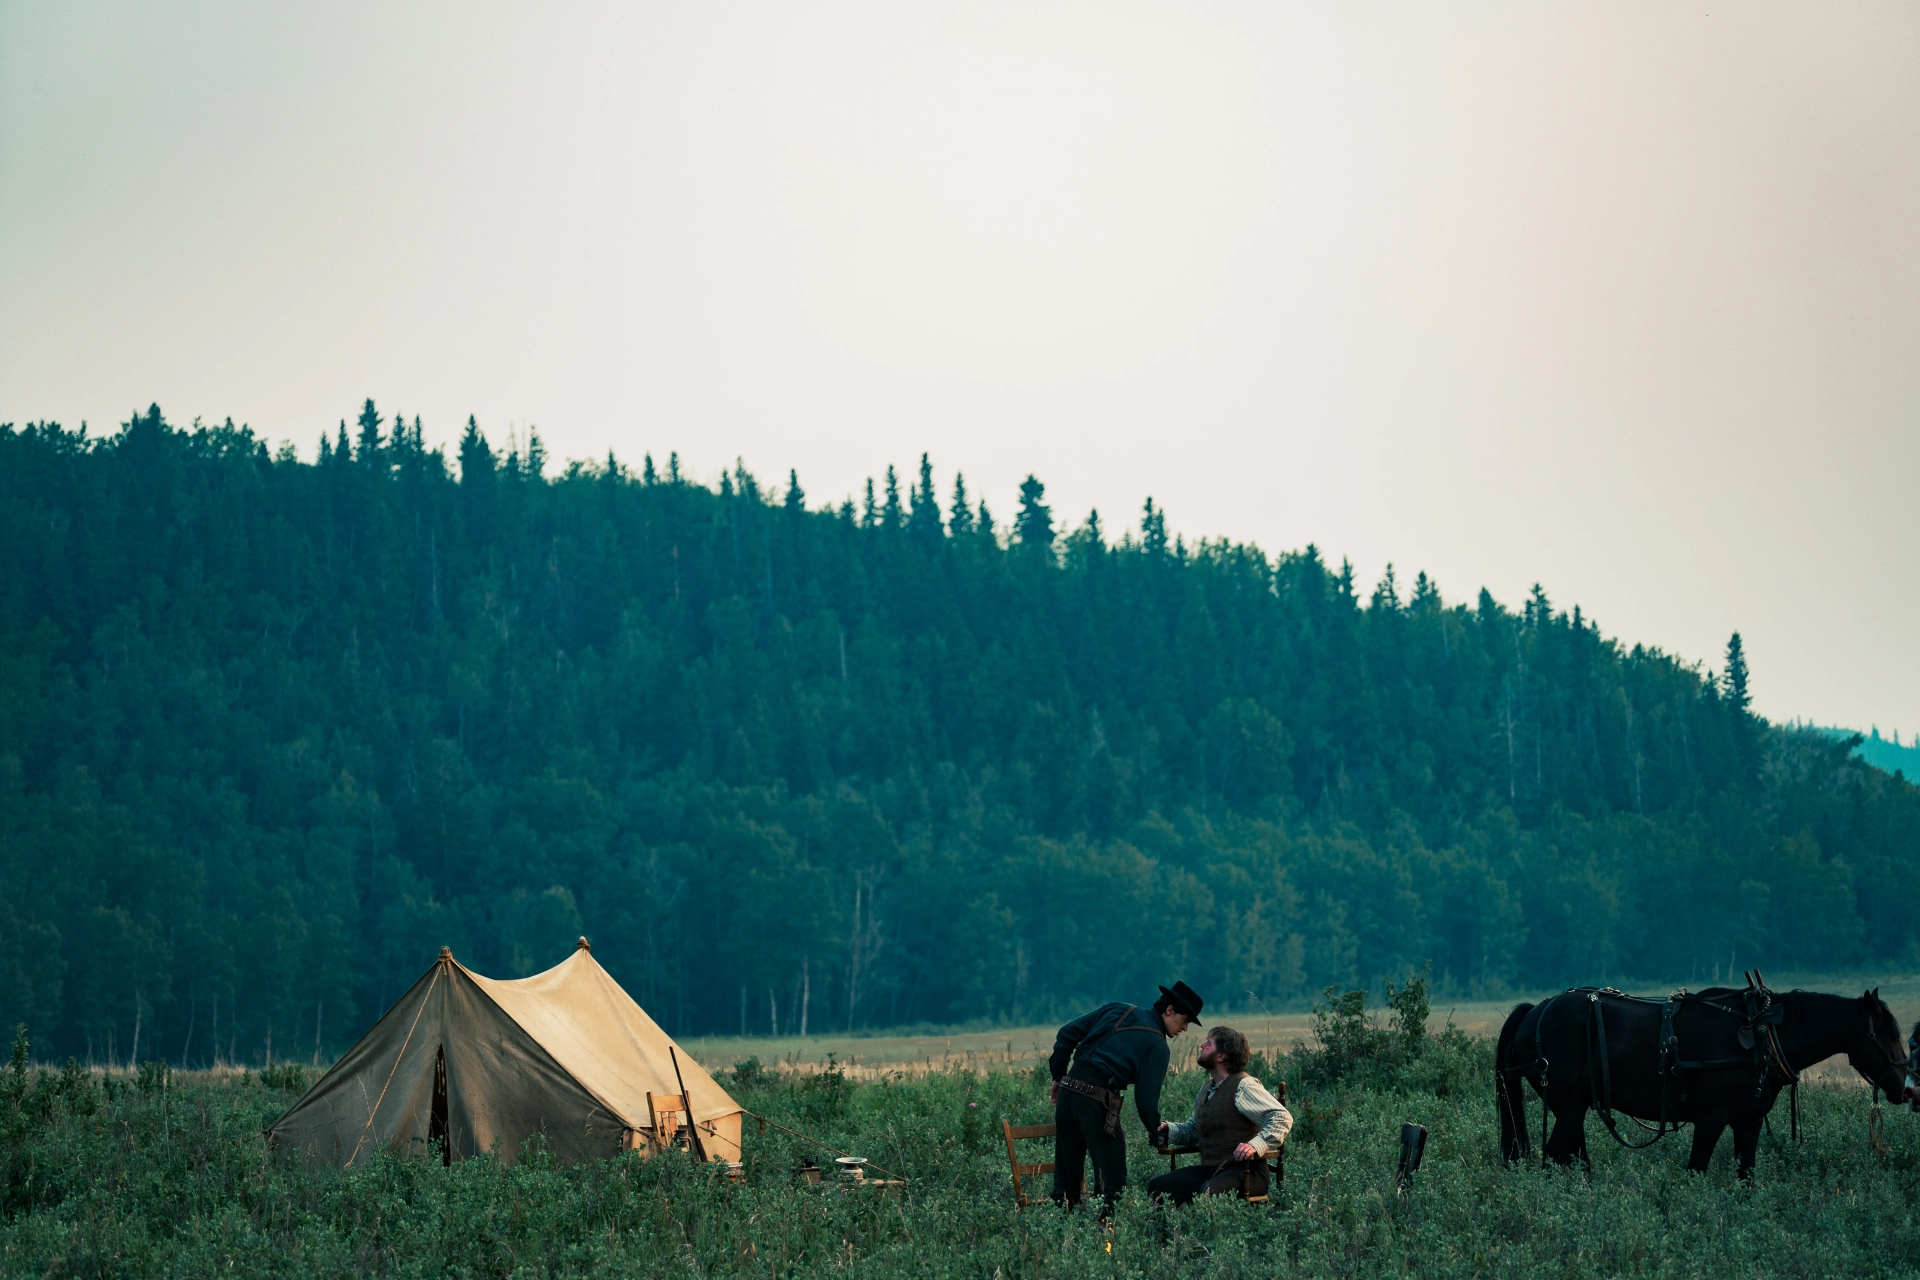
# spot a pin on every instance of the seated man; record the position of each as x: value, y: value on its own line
x: 1236, y: 1124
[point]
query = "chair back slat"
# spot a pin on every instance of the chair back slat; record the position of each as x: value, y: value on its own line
x: 669, y: 1112
x: 1015, y: 1132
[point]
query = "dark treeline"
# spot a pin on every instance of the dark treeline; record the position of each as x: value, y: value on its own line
x: 271, y: 732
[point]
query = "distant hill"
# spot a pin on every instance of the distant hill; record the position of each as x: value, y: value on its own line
x: 272, y: 732
x: 1883, y: 753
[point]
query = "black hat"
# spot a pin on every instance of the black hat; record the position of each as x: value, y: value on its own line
x: 1183, y: 999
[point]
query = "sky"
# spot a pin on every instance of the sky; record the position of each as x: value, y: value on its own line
x: 1621, y: 298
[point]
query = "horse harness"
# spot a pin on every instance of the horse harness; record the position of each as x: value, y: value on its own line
x: 1757, y: 1034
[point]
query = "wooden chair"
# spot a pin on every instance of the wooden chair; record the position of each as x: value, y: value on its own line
x: 1014, y: 1133
x: 669, y: 1112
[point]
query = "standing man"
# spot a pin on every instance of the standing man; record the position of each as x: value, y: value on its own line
x: 1236, y: 1124
x: 1114, y: 1046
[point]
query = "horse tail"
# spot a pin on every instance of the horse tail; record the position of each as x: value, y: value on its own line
x: 1509, y: 1097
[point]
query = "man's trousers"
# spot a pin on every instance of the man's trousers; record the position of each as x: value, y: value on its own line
x: 1182, y: 1185
x: 1080, y: 1132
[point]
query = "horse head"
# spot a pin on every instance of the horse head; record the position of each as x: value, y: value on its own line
x: 1880, y: 1057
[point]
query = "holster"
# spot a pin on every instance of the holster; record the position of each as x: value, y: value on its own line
x: 1109, y: 1099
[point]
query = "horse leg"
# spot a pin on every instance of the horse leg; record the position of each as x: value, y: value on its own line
x: 1706, y: 1136
x: 1569, y: 1138
x: 1746, y: 1143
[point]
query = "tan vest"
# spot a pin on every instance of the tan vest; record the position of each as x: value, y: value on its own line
x: 1222, y: 1127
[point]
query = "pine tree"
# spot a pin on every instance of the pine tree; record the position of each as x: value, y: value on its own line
x: 1735, y: 678
x: 536, y: 455
x: 923, y: 519
x: 1090, y: 536
x: 1153, y: 530
x: 870, y: 510
x: 647, y: 475
x: 1426, y: 595
x: 960, y: 515
x: 1033, y: 527
x: 796, y: 500
x: 1386, y: 596
x: 369, y: 434
x: 891, y: 514
x: 476, y: 459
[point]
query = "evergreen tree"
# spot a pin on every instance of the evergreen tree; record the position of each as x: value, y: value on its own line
x: 1386, y: 595
x: 1426, y: 595
x: 370, y: 442
x: 1153, y: 530
x: 476, y: 459
x: 1033, y: 527
x: 923, y: 519
x: 959, y: 514
x: 1738, y: 701
x: 891, y: 515
x: 796, y: 500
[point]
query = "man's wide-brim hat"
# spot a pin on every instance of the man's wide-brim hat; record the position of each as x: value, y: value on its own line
x: 1184, y: 999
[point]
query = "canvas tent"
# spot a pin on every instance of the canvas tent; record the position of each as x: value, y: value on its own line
x: 487, y: 1063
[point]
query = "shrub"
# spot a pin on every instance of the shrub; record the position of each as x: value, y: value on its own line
x: 823, y: 1096
x: 154, y: 1077
x: 1355, y: 1049
x: 290, y: 1076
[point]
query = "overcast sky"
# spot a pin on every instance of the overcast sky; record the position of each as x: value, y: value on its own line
x: 1621, y: 298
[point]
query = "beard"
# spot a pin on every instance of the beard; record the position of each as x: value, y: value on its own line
x: 1208, y: 1059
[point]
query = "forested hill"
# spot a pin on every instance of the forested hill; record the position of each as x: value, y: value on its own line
x: 272, y: 732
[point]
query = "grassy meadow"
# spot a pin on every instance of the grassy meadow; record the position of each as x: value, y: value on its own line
x: 165, y: 1174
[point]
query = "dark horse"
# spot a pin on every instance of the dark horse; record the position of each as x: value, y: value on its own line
x: 1714, y: 1058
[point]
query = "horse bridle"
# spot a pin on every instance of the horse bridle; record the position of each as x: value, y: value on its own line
x: 1890, y: 1061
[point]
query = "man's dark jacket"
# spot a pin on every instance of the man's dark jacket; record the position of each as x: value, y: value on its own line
x: 1128, y: 1057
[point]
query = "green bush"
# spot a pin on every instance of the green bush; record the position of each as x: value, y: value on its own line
x: 1354, y: 1048
x: 290, y: 1076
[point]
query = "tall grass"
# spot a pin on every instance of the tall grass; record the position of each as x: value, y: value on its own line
x: 167, y: 1175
